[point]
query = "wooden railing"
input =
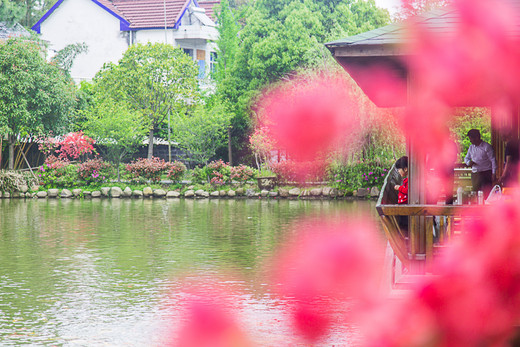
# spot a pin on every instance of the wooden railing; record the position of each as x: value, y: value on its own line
x: 417, y: 249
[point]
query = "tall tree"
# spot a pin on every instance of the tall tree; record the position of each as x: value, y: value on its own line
x: 227, y: 45
x: 201, y: 132
x: 155, y: 79
x: 116, y: 127
x: 35, y: 96
x: 280, y: 37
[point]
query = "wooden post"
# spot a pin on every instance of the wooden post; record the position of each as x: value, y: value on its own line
x: 416, y: 193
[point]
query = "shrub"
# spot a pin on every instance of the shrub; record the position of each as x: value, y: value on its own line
x: 198, y: 175
x: 359, y: 174
x: 217, y: 179
x: 241, y: 173
x: 93, y: 171
x: 147, y: 169
x: 176, y: 171
x: 218, y: 172
x: 51, y: 171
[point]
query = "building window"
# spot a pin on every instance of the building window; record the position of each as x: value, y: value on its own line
x: 212, y: 61
x: 188, y: 51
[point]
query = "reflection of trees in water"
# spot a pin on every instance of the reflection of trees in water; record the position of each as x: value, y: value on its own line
x: 60, y: 258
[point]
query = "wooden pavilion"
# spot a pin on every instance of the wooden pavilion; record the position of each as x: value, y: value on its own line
x: 384, y: 49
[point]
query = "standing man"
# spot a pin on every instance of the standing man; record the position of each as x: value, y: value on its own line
x: 481, y: 159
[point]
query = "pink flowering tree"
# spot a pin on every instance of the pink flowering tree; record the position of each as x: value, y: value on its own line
x: 76, y: 145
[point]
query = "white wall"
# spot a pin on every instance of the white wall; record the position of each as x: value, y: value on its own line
x: 154, y: 35
x: 84, y: 21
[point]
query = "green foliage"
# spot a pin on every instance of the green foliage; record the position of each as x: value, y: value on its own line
x: 115, y: 125
x: 201, y: 132
x: 358, y: 174
x: 35, y: 96
x: 12, y: 181
x: 198, y: 175
x: 279, y: 38
x: 11, y: 12
x: 154, y: 79
x: 470, y: 118
x: 65, y: 56
x: 55, y: 173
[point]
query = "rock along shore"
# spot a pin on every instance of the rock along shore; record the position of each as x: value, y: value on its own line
x: 149, y: 193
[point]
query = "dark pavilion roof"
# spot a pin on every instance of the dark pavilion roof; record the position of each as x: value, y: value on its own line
x: 384, y: 49
x: 438, y: 20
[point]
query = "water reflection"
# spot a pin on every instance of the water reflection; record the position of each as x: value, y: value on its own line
x: 96, y: 272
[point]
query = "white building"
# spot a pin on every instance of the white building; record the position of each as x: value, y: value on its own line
x: 110, y: 27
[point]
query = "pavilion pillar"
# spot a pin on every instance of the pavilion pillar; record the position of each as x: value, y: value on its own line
x: 416, y: 195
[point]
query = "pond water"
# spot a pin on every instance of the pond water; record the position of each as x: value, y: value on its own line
x: 109, y: 272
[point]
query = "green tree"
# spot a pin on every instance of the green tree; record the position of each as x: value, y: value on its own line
x: 35, y: 96
x: 227, y: 45
x: 11, y: 12
x: 114, y: 125
x: 281, y: 37
x: 154, y: 79
x: 468, y: 118
x: 201, y: 132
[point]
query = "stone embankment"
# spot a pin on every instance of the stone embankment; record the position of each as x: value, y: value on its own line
x: 190, y: 193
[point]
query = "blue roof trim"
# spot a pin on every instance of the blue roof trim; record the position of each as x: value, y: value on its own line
x: 37, y: 27
x: 178, y: 24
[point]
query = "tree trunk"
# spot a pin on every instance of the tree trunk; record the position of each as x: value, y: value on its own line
x: 11, y: 139
x: 150, y: 144
x: 230, y: 150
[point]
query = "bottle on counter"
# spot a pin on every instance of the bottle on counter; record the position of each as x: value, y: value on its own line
x: 459, y: 195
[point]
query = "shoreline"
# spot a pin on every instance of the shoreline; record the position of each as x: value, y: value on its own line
x: 239, y: 193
